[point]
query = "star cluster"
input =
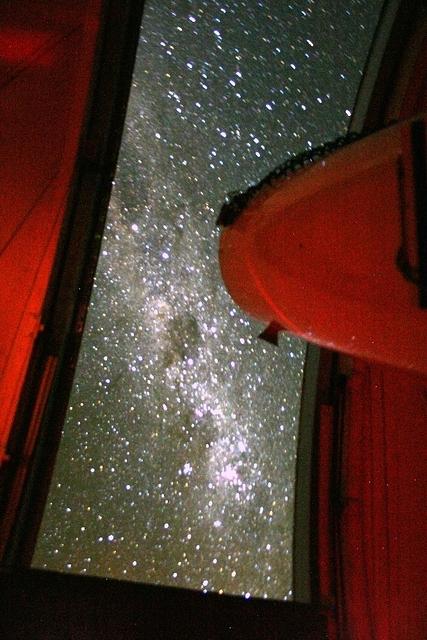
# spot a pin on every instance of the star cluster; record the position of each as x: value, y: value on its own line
x: 177, y: 462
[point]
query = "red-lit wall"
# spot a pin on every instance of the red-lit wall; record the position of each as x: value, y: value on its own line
x: 46, y: 57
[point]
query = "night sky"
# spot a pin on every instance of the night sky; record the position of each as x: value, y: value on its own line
x: 178, y: 454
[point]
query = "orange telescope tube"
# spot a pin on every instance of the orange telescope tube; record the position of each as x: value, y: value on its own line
x: 336, y: 252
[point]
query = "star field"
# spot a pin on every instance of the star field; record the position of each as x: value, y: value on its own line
x: 177, y: 461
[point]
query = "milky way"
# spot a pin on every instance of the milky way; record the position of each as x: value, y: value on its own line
x: 178, y: 456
